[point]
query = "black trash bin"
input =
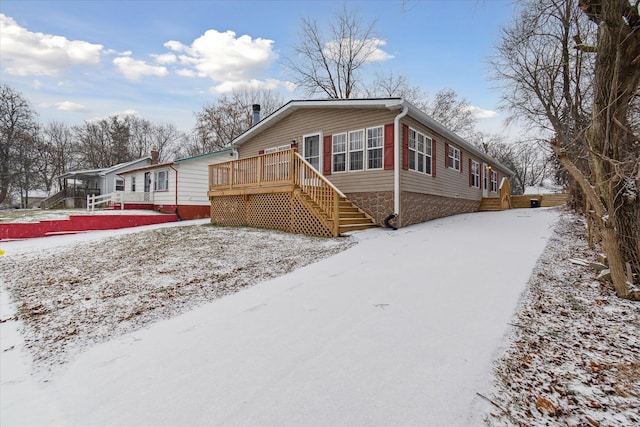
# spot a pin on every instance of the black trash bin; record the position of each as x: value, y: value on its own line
x: 535, y: 203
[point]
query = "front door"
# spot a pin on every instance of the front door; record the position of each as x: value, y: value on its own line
x: 147, y: 186
x: 485, y: 180
x: 311, y: 151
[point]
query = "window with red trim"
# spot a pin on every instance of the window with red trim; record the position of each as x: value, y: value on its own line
x: 453, y: 158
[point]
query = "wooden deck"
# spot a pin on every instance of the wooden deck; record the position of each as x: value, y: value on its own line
x: 282, y: 191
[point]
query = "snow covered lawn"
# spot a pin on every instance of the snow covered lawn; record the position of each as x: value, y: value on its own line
x: 71, y: 297
x: 400, y: 329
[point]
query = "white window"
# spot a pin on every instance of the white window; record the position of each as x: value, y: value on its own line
x: 494, y: 182
x: 454, y: 158
x: 475, y: 174
x: 133, y: 183
x: 161, y: 181
x: 412, y: 149
x: 356, y: 150
x: 339, y: 147
x: 419, y: 152
x: 375, y: 146
x: 119, y: 184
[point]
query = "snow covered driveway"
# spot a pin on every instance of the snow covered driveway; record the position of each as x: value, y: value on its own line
x: 400, y: 329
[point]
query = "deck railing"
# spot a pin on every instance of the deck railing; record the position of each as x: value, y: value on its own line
x: 274, y: 170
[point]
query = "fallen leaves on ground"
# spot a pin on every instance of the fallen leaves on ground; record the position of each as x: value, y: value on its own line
x: 574, y: 357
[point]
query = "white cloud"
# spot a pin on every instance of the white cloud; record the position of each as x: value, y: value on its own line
x: 223, y: 57
x: 480, y: 113
x: 184, y: 72
x: 166, y: 58
x: 71, y: 106
x: 27, y: 53
x: 133, y: 69
x: 371, y: 48
x: 229, y: 86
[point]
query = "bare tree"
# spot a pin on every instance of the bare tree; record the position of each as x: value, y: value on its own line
x: 330, y: 63
x: 446, y: 107
x: 452, y: 111
x: 530, y: 161
x: 57, y: 153
x: 555, y: 72
x: 25, y: 164
x: 168, y: 140
x: 145, y: 135
x: 17, y: 126
x: 219, y: 123
x: 392, y: 85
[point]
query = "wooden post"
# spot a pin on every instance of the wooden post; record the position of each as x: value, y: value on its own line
x: 336, y: 213
x: 292, y: 167
x: 259, y: 172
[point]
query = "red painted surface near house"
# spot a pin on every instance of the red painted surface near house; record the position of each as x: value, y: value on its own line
x: 185, y: 211
x: 194, y: 212
x: 78, y: 224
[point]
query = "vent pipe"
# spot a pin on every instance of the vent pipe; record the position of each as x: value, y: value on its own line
x: 256, y: 114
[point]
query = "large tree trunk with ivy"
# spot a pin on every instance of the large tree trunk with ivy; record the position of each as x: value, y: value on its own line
x: 613, y: 146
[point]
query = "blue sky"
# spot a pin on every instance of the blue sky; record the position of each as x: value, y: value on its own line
x: 164, y: 60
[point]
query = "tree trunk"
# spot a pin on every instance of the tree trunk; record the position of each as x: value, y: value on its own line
x: 611, y: 141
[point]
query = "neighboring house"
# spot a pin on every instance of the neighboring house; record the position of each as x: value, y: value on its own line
x: 385, y: 156
x: 175, y: 187
x: 77, y: 185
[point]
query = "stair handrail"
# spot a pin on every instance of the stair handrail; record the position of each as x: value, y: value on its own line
x: 322, y: 177
x: 53, y: 199
x: 112, y: 198
x: 326, y: 195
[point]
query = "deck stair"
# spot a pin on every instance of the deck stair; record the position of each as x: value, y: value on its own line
x: 490, y: 204
x: 352, y: 218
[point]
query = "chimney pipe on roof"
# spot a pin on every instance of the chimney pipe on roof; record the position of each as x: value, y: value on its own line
x: 155, y: 156
x: 256, y: 114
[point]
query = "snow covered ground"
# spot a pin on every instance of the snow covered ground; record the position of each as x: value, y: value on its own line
x: 399, y: 329
x: 35, y: 215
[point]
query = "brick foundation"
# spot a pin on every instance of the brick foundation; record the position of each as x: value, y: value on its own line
x: 415, y: 207
x: 378, y: 204
x: 424, y: 207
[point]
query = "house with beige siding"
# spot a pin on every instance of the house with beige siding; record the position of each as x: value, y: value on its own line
x: 329, y: 161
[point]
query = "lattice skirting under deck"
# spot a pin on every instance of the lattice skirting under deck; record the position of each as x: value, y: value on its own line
x: 280, y: 211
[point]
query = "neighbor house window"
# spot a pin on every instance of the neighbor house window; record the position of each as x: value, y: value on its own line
x: 356, y: 150
x: 419, y: 152
x: 375, y: 144
x: 161, y: 181
x: 494, y: 181
x: 119, y: 184
x: 133, y: 183
x: 339, y: 143
x: 475, y: 174
x: 454, y: 158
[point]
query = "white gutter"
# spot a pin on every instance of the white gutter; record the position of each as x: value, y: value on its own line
x: 396, y: 160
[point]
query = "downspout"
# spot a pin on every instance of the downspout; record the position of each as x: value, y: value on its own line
x: 177, y: 213
x: 396, y: 165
